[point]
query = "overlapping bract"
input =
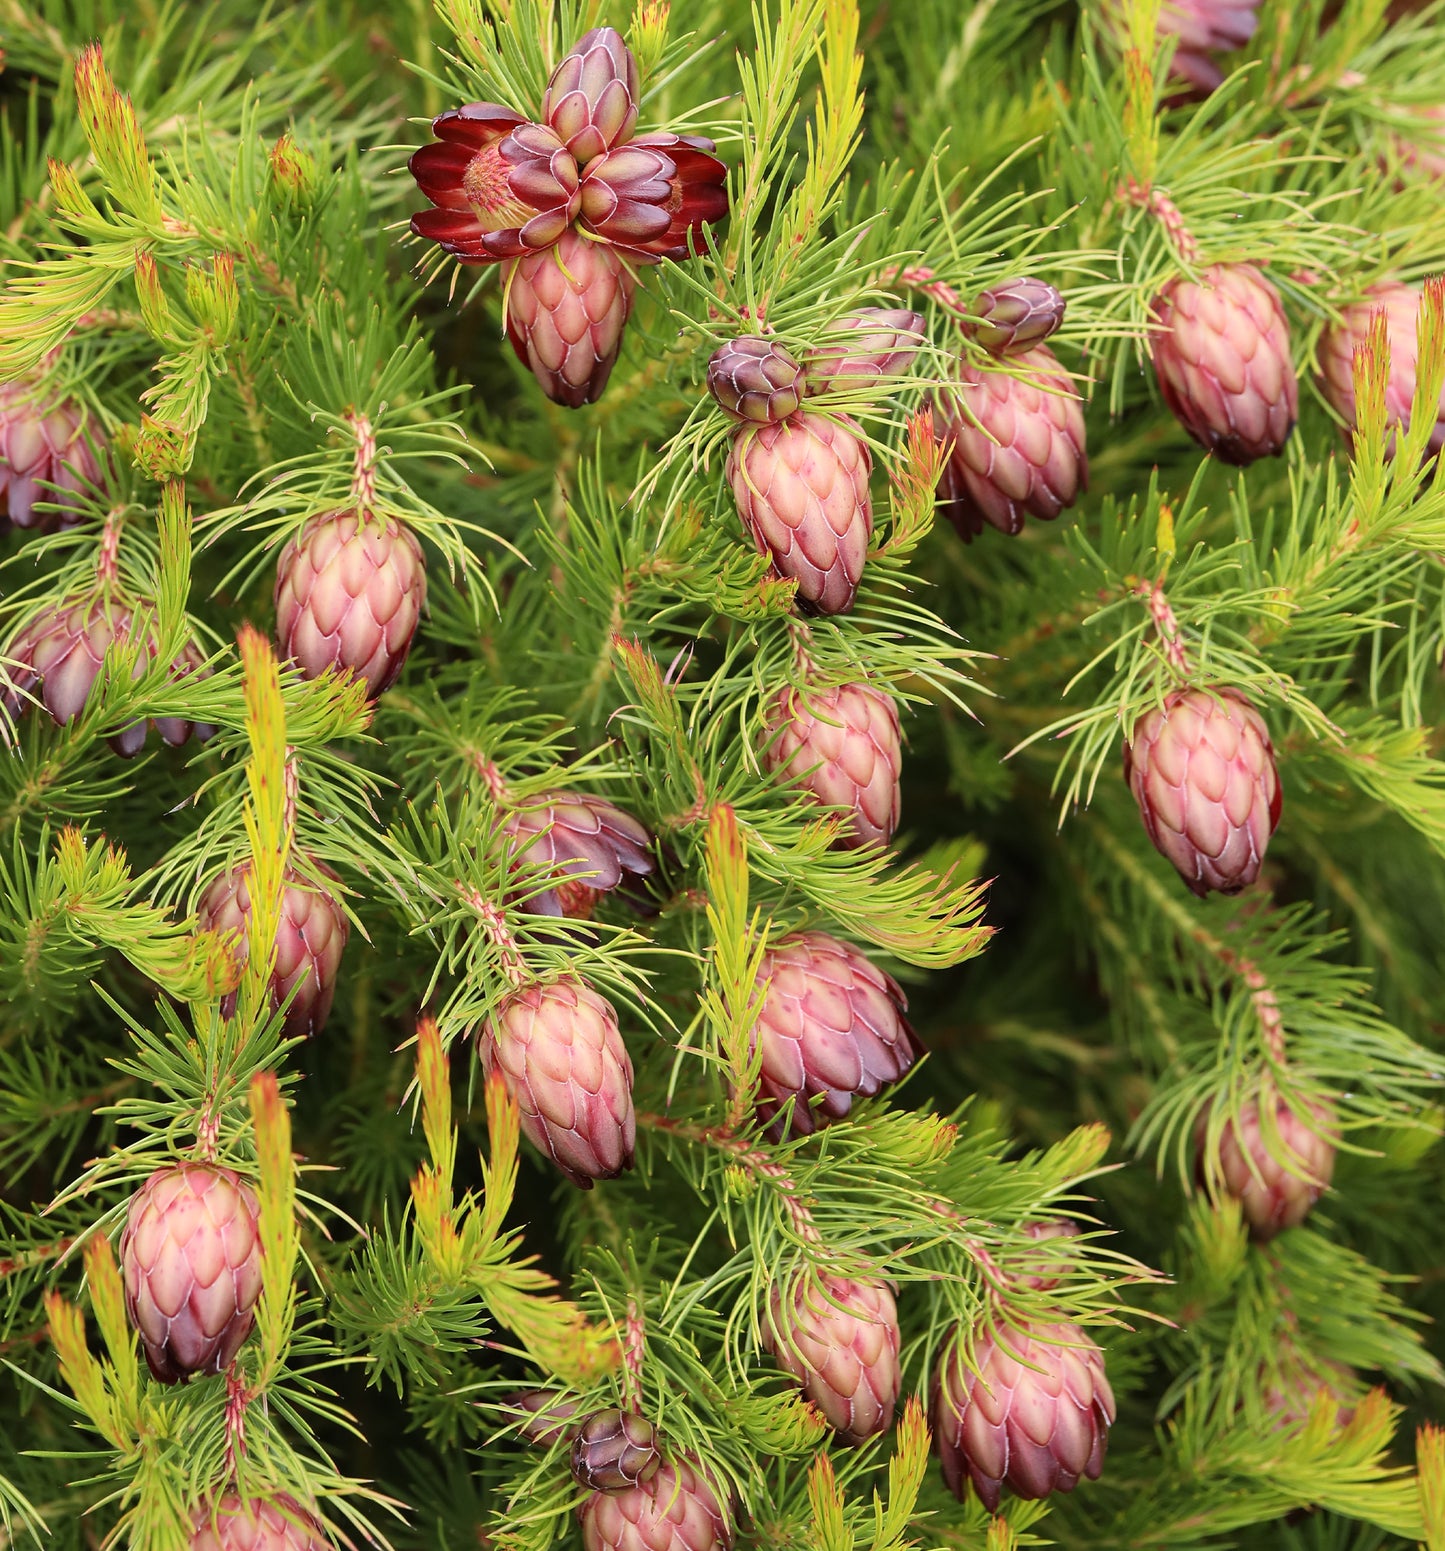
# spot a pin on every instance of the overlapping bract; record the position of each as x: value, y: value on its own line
x: 863, y: 346
x: 1015, y: 315
x: 277, y: 1523
x: 47, y: 456
x: 755, y: 379
x: 1277, y: 1171
x: 614, y: 1450
x: 676, y: 1510
x: 591, y: 843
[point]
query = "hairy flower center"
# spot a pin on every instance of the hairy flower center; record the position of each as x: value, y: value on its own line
x: 485, y: 184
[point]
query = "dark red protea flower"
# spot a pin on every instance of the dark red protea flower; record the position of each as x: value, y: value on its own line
x: 566, y: 309
x: 349, y: 593
x: 655, y: 195
x: 831, y: 1027
x: 502, y: 186
x: 563, y: 1061
x: 591, y: 99
x: 865, y: 345
x: 1015, y: 315
x: 614, y: 1450
x: 47, y: 456
x: 309, y: 941
x: 1033, y: 1411
x: 838, y: 1337
x: 676, y: 1510
x: 802, y: 491
x: 844, y: 746
x: 755, y: 379
x: 191, y: 1259
x: 277, y: 1523
x: 1276, y: 1176
x: 1203, y: 773
x: 594, y: 845
x: 1018, y: 444
x: 1222, y: 357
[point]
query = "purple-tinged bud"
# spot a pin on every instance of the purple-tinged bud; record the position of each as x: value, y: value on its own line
x: 277, y: 1523
x: 1040, y: 1269
x: 614, y: 1450
x: 864, y: 346
x: 674, y: 1511
x: 1015, y: 315
x: 1277, y: 1176
x: 594, y: 845
x: 47, y: 456
x: 755, y: 379
x: 591, y: 98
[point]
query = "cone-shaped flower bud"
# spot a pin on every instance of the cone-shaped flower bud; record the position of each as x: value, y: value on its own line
x: 309, y: 941
x: 277, y: 1523
x: 614, y: 1450
x: 831, y: 1026
x: 1035, y: 1415
x: 565, y: 313
x: 654, y: 196
x: 191, y: 1259
x: 755, y: 379
x: 802, y: 491
x: 501, y: 186
x: 865, y: 345
x: 562, y: 1059
x: 844, y: 746
x: 676, y: 1510
x: 1015, y: 315
x: 1221, y: 353
x: 1275, y: 1175
x: 591, y: 843
x: 1041, y: 1268
x: 591, y: 99
x: 349, y: 593
x: 1401, y: 307
x: 838, y: 1337
x: 47, y: 456
x: 1018, y: 444
x: 1203, y: 773
x: 542, y: 1417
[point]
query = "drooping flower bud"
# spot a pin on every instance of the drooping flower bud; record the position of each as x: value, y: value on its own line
x: 614, y: 1450
x: 755, y: 379
x: 1278, y: 1174
x: 591, y: 99
x: 1015, y: 315
x: 655, y: 196
x: 865, y: 345
x: 277, y: 1523
x: 47, y: 456
x: 594, y: 845
x: 674, y: 1511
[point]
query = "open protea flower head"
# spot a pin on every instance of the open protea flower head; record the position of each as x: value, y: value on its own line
x: 590, y: 842
x: 675, y: 1510
x: 1203, y: 773
x: 350, y: 590
x: 1015, y: 315
x: 591, y: 99
x: 838, y: 1337
x: 655, y: 195
x: 1221, y: 352
x: 844, y: 746
x: 501, y: 186
x: 1032, y: 1412
x: 566, y: 309
x: 191, y: 1259
x: 1278, y: 1174
x: 277, y: 1523
x: 47, y: 456
x: 310, y: 939
x: 865, y: 345
x: 613, y: 1450
x: 1017, y: 444
x: 755, y: 379
x: 831, y: 1028
x: 1401, y: 307
x: 802, y: 491
x: 562, y: 1059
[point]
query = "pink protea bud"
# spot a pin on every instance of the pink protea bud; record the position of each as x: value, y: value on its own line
x: 501, y: 186
x: 1033, y: 1411
x: 592, y: 843
x: 1015, y: 315
x: 1203, y: 27
x: 755, y: 379
x: 562, y: 1059
x: 1203, y: 773
x: 844, y: 746
x: 831, y: 1028
x: 1040, y: 1269
x: 674, y: 1511
x: 349, y: 593
x: 566, y: 309
x: 1275, y: 1175
x: 838, y: 1337
x: 191, y: 1259
x: 802, y: 491
x: 1017, y: 444
x: 47, y: 456
x: 1221, y: 353
x: 543, y: 1418
x: 865, y: 345
x: 614, y: 1450
x: 310, y: 938
x: 1401, y: 307
x: 655, y: 196
x: 591, y: 99
x: 277, y: 1523
x: 1290, y: 1396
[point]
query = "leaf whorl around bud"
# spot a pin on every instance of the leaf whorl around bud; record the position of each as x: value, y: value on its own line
x: 838, y: 1337
x: 277, y: 1523
x: 1033, y: 1412
x: 865, y: 345
x: 559, y: 1052
x: 1277, y: 1172
x: 191, y: 1260
x: 755, y: 379
x: 831, y: 1028
x: 1015, y: 315
x: 1202, y: 770
x: 47, y: 456
x: 592, y: 844
x: 614, y: 1450
x: 674, y: 1511
x: 592, y: 96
